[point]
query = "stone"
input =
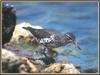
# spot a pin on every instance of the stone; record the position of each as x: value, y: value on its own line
x: 10, y: 62
x: 8, y: 22
x: 22, y: 35
x: 16, y: 64
x: 54, y: 68
x: 69, y: 69
x: 30, y: 67
x: 61, y: 68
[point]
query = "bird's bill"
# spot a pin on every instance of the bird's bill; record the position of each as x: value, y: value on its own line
x: 76, y: 45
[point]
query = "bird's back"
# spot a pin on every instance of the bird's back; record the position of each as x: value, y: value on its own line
x: 48, y: 37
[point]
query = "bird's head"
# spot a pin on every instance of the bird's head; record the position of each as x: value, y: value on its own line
x: 70, y: 37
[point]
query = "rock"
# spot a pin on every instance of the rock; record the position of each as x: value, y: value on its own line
x: 15, y: 64
x: 10, y: 62
x: 69, y: 69
x: 8, y: 22
x: 31, y: 68
x: 8, y: 55
x: 23, y: 69
x: 21, y: 35
x: 61, y: 68
x: 38, y: 62
x: 54, y: 68
x: 9, y: 46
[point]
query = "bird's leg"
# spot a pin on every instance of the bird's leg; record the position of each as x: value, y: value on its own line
x: 45, y: 51
x: 49, y: 52
x: 42, y: 49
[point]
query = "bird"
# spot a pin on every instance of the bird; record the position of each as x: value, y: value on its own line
x: 52, y: 38
x: 8, y: 22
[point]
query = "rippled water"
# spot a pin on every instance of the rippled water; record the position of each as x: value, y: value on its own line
x: 81, y: 18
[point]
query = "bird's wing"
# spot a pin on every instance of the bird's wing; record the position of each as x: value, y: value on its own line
x: 53, y: 32
x: 38, y: 33
x: 48, y: 37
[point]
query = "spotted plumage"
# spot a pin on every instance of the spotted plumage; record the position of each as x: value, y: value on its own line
x: 52, y: 38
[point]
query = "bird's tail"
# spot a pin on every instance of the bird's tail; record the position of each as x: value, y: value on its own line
x: 29, y: 29
x: 32, y: 30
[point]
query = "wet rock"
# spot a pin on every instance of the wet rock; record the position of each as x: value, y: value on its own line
x: 22, y: 37
x: 8, y: 22
x: 11, y: 63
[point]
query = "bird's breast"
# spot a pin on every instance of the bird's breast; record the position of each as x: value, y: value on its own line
x: 53, y: 41
x: 47, y: 40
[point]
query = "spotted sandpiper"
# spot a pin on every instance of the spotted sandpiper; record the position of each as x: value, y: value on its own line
x: 52, y: 38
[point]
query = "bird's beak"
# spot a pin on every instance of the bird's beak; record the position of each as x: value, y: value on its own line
x: 76, y: 45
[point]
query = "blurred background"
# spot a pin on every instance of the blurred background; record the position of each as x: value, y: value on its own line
x: 81, y: 18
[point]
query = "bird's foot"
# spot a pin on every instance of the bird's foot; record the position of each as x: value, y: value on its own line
x: 48, y: 52
x: 45, y: 50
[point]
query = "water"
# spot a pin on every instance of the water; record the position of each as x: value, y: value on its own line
x: 81, y: 18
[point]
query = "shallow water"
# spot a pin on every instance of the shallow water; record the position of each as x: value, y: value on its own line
x: 81, y: 18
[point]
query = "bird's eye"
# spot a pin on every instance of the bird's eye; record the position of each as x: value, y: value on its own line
x: 69, y: 38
